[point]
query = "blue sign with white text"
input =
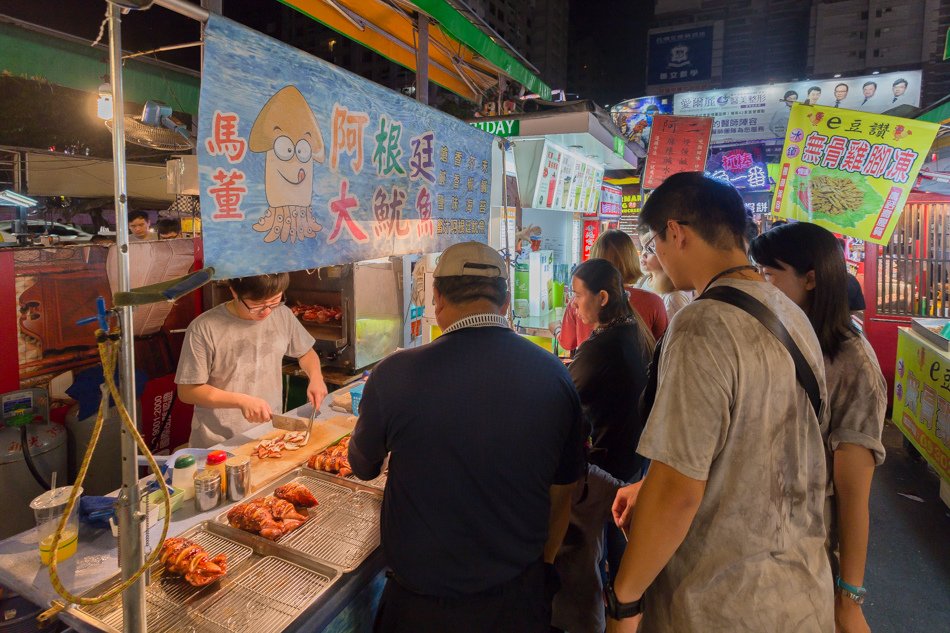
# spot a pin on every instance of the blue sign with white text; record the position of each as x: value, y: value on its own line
x: 680, y: 56
x: 303, y: 164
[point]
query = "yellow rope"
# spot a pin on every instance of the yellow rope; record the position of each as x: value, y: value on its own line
x: 108, y: 352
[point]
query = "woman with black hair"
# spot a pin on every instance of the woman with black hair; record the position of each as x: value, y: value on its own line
x: 806, y: 262
x: 609, y: 372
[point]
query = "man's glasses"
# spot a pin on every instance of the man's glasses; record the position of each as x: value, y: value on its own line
x: 261, y: 309
x: 650, y: 248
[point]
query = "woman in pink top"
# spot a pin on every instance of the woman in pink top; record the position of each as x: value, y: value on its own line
x: 617, y: 248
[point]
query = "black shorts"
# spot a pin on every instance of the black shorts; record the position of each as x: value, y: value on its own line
x: 521, y: 605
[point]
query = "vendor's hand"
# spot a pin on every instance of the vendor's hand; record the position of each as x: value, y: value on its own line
x: 316, y: 392
x: 849, y: 618
x: 623, y: 505
x: 627, y: 625
x: 255, y: 409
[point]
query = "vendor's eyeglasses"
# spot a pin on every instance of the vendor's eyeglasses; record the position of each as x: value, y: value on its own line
x: 650, y: 248
x: 261, y: 309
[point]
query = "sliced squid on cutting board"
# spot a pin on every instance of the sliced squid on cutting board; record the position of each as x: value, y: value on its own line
x: 324, y: 433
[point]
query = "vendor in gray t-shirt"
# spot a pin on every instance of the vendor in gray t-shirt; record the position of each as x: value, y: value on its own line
x: 230, y: 365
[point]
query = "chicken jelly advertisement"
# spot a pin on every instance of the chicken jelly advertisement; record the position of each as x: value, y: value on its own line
x: 849, y: 171
x: 303, y: 164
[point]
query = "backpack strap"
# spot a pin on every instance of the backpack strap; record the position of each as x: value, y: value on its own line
x: 748, y: 303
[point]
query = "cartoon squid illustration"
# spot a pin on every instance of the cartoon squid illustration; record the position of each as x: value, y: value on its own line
x: 287, y: 131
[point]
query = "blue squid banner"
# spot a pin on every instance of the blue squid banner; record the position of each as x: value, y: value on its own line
x: 303, y: 164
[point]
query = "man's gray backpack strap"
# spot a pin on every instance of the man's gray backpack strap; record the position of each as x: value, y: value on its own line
x: 745, y: 301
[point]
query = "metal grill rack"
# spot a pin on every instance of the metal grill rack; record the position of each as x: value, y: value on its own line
x: 265, y: 598
x: 168, y: 593
x: 379, y: 482
x: 267, y: 586
x: 343, y: 529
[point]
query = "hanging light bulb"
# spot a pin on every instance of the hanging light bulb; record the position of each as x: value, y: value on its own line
x: 104, y: 103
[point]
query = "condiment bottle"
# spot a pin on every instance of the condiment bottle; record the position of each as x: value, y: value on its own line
x: 215, y: 461
x: 183, y: 476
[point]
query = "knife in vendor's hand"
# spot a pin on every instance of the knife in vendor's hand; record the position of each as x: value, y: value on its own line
x: 288, y: 422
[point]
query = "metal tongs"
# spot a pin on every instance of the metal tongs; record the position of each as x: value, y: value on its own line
x: 313, y: 414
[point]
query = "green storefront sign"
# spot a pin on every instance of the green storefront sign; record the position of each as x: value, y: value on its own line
x: 510, y: 127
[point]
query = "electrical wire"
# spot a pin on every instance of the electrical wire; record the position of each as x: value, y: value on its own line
x: 102, y: 28
x: 108, y: 345
x: 24, y: 443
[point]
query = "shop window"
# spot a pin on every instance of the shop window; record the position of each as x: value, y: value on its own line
x: 913, y: 271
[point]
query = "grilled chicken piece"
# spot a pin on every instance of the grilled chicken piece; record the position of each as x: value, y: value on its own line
x: 185, y: 558
x: 297, y: 494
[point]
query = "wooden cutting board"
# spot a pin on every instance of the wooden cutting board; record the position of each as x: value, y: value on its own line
x: 264, y: 471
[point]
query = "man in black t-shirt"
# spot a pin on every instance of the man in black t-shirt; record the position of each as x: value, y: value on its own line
x: 485, y: 435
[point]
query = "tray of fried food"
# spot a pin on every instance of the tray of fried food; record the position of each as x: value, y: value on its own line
x: 206, y: 568
x: 335, y: 459
x: 341, y: 529
x: 274, y: 515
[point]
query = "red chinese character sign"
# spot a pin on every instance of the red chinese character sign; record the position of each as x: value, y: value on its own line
x: 678, y: 143
x: 850, y: 171
x: 303, y: 164
x: 589, y: 236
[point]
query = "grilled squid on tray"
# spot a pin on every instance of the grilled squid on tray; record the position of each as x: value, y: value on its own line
x: 185, y: 558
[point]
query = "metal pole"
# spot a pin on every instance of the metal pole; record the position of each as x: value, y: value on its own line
x: 422, y: 59
x: 503, y: 144
x: 131, y: 552
x: 185, y: 8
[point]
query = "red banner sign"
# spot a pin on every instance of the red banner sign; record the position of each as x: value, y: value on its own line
x: 591, y: 231
x: 678, y: 143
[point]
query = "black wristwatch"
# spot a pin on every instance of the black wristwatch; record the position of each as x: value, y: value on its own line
x: 617, y: 610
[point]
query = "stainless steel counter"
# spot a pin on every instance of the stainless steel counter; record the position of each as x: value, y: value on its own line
x: 97, y: 558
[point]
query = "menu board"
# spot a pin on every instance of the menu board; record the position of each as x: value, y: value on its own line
x: 567, y: 181
x: 547, y: 193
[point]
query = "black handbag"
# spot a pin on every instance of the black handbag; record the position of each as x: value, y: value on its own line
x: 748, y: 303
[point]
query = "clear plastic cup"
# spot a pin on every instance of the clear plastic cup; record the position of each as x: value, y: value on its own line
x: 48, y: 509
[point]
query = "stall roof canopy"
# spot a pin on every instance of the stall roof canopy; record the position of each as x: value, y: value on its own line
x: 462, y: 58
x: 36, y: 52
